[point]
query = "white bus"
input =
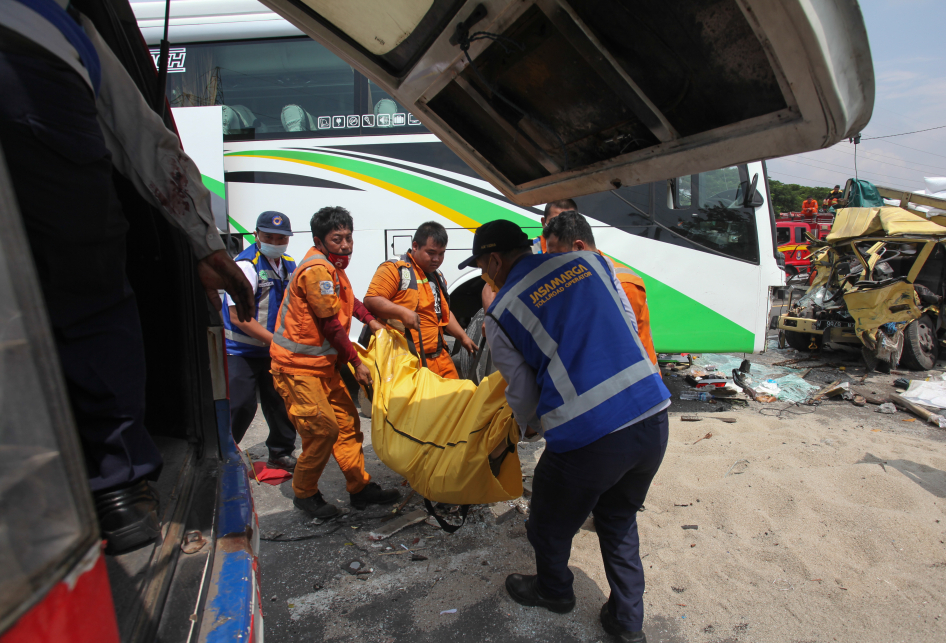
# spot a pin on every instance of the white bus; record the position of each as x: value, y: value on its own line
x: 303, y: 129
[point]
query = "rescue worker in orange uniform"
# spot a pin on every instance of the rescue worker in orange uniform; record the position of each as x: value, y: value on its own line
x: 310, y: 343
x: 809, y: 206
x: 412, y: 291
x: 570, y: 232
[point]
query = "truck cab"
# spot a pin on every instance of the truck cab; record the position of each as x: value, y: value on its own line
x: 793, y: 244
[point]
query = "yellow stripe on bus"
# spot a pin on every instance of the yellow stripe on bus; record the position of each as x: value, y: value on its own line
x: 460, y: 219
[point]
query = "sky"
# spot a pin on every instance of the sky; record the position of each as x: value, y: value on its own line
x: 906, y: 46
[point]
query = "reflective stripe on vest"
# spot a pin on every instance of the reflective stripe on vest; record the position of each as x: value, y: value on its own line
x: 279, y: 337
x: 628, y: 386
x: 270, y: 287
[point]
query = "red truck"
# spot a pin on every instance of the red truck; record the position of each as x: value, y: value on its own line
x: 790, y: 229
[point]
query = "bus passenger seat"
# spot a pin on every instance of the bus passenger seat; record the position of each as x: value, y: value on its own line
x: 239, y: 117
x: 296, y: 119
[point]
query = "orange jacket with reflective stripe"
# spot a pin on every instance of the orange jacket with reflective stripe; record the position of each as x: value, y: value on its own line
x: 415, y: 293
x: 637, y: 294
x: 299, y: 347
x: 809, y: 206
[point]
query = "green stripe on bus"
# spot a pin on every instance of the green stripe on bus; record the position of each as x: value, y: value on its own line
x: 214, y: 186
x: 678, y: 322
x: 246, y: 233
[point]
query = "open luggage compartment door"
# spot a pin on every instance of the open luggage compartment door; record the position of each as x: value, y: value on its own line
x: 549, y: 99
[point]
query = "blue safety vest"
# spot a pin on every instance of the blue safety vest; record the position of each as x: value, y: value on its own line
x: 269, y: 293
x: 564, y: 315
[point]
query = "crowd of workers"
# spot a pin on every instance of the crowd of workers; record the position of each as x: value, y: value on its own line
x: 601, y: 406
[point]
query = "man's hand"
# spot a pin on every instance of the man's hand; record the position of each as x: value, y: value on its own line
x: 363, y: 375
x: 374, y: 326
x: 218, y: 271
x: 467, y: 343
x: 410, y: 319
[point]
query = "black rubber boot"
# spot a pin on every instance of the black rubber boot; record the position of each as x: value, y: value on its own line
x: 612, y: 627
x: 284, y: 462
x: 128, y: 517
x: 373, y: 494
x: 315, y: 506
x: 522, y: 589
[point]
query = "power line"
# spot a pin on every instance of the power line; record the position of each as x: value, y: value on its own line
x: 929, y: 129
x: 875, y: 156
x: 915, y: 149
x: 886, y: 176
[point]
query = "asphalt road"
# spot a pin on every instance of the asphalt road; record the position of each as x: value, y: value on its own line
x: 309, y: 596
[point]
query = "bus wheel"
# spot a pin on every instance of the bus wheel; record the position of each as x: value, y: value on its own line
x: 920, y: 348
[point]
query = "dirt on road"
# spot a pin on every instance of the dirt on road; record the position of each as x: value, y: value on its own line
x: 818, y: 523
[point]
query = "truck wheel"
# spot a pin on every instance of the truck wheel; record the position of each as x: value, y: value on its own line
x: 920, y: 346
x: 802, y: 341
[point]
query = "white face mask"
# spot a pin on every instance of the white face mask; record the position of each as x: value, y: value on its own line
x: 271, y: 251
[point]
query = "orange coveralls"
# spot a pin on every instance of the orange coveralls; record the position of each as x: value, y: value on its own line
x: 304, y: 373
x: 809, y: 206
x: 387, y: 283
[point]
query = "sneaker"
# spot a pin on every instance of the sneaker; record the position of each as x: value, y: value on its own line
x: 284, y: 462
x: 612, y: 627
x: 315, y: 506
x: 373, y: 494
x: 128, y: 517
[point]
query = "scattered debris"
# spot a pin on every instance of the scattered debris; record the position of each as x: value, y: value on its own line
x: 404, y: 502
x: 933, y: 418
x: 901, y: 382
x: 678, y: 590
x: 705, y: 437
x: 737, y: 462
x: 417, y: 557
x: 820, y: 394
x: 392, y: 527
x: 859, y: 400
x: 691, y: 526
x: 453, y: 611
x: 690, y: 418
x: 886, y: 407
x: 193, y: 542
x: 353, y: 567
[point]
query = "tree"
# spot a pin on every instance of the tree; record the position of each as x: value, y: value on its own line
x: 788, y: 197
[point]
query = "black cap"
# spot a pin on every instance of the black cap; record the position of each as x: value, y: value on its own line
x: 496, y: 236
x: 274, y: 222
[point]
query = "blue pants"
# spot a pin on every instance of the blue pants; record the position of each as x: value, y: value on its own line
x: 608, y: 478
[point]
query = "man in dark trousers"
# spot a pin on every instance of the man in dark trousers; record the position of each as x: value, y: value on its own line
x: 562, y: 338
x: 268, y: 269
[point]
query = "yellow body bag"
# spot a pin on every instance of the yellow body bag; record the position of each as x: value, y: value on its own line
x: 438, y: 433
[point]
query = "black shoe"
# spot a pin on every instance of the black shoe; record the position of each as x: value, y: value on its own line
x: 373, y: 494
x: 284, y: 462
x: 523, y: 591
x: 128, y: 517
x: 315, y: 506
x: 612, y: 627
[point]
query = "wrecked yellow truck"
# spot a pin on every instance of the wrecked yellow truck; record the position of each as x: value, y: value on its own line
x: 879, y: 283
